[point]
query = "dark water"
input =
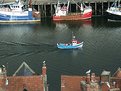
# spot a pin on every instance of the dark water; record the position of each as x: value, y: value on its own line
x: 35, y: 43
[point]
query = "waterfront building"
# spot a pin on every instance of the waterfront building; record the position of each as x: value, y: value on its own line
x: 24, y: 79
x: 91, y: 82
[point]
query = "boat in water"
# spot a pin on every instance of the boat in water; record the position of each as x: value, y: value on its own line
x: 16, y: 12
x: 62, y: 12
x: 73, y: 45
x: 114, y: 11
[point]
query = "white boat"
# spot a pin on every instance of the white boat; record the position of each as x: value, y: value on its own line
x: 114, y: 11
x: 17, y: 12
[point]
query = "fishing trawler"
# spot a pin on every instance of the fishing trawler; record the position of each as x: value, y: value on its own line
x: 62, y: 12
x: 73, y: 45
x: 114, y: 12
x: 14, y: 12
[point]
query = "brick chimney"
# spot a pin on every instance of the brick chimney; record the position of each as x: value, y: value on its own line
x: 93, y: 77
x: 88, y: 87
x: 3, y: 71
x: 104, y: 87
x: 88, y: 79
x: 105, y: 76
x: 44, y: 69
x: 44, y: 76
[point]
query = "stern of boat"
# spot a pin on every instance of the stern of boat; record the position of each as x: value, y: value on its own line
x: 87, y: 14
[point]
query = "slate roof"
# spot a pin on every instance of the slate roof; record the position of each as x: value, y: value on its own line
x: 24, y: 70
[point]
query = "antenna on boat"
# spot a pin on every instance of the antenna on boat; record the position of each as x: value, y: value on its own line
x: 73, y: 36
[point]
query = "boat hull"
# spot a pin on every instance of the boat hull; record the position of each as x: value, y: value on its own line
x: 17, y: 18
x: 7, y: 17
x: 17, y: 14
x: 69, y: 46
x: 112, y: 16
x: 73, y: 16
x: 19, y: 21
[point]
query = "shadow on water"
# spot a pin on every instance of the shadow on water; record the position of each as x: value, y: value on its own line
x: 103, y: 21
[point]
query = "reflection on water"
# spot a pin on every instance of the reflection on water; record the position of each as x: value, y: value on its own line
x: 72, y: 24
x: 34, y: 43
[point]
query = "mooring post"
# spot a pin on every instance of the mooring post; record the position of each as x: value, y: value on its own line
x: 108, y: 4
x: 51, y: 9
x: 42, y: 10
x: 45, y: 10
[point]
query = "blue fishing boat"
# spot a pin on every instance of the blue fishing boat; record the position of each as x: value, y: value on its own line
x: 18, y: 11
x: 73, y: 45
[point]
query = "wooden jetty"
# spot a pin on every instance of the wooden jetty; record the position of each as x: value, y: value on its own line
x: 46, y: 7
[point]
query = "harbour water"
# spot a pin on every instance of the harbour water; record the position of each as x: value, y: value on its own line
x: 35, y: 43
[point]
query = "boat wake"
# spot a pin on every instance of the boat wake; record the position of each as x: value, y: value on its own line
x: 24, y: 49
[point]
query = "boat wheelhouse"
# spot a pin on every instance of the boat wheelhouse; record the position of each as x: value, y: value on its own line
x: 17, y: 12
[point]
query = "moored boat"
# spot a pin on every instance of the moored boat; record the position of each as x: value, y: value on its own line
x: 73, y: 45
x: 62, y: 12
x: 114, y: 11
x: 18, y: 12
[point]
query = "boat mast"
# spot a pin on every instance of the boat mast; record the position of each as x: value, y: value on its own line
x: 68, y: 6
x: 73, y: 37
x: 118, y: 3
x: 30, y: 3
x: 77, y: 4
x: 57, y: 6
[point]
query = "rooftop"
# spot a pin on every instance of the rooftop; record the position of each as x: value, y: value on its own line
x: 24, y: 79
x: 19, y: 83
x: 117, y: 73
x: 85, y: 83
